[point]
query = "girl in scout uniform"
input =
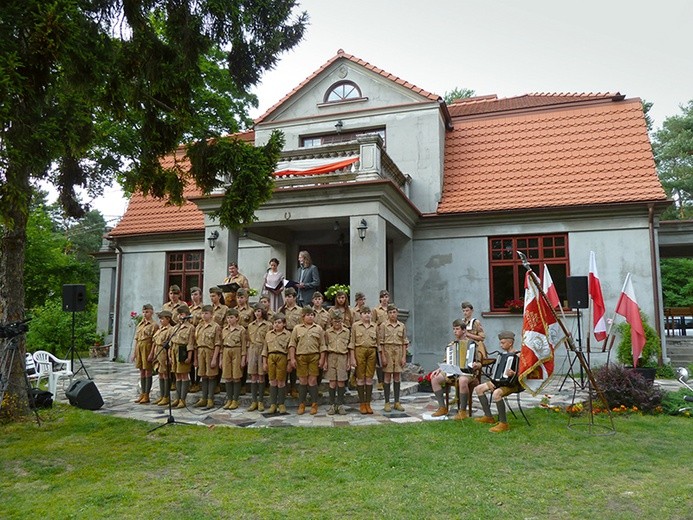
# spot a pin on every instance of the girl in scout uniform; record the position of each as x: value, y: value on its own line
x: 341, y: 304
x: 181, y: 354
x: 207, y: 346
x: 257, y: 330
x: 336, y: 358
x: 364, y: 342
x: 393, y: 344
x: 159, y: 353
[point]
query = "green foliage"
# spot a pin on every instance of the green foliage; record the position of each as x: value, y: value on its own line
x: 666, y: 371
x: 673, y: 149
x: 625, y: 387
x: 651, y: 350
x: 458, y: 93
x: 673, y: 402
x: 331, y: 291
x: 51, y: 329
x: 367, y: 472
x: 677, y: 281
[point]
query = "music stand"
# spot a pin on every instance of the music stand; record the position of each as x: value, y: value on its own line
x: 170, y: 419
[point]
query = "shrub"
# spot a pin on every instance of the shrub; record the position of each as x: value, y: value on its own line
x: 650, y: 352
x: 673, y: 402
x: 624, y: 387
x: 50, y: 329
x: 666, y: 372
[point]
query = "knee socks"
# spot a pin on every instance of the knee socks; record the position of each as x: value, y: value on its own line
x: 396, y: 385
x: 439, y: 398
x: 273, y: 395
x: 464, y: 401
x: 314, y: 394
x: 229, y: 391
x: 500, y: 405
x: 386, y: 390
x: 340, y: 395
x: 302, y: 390
x: 184, y: 386
x: 485, y: 406
x: 332, y: 392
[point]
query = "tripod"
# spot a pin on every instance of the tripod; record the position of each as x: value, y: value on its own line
x: 569, y: 373
x: 170, y: 419
x: 7, y: 362
x: 73, y: 351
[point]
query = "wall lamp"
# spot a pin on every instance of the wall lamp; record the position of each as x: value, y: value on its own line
x: 338, y: 126
x: 362, y: 227
x: 212, y: 239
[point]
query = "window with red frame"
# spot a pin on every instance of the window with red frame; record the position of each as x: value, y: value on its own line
x: 507, y: 274
x: 184, y: 269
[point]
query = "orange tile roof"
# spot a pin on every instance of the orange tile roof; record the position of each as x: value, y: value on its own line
x: 594, y: 150
x: 341, y: 55
x: 149, y: 215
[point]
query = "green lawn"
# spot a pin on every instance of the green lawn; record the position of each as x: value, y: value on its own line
x: 80, y: 464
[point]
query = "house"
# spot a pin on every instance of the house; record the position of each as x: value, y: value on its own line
x: 444, y: 195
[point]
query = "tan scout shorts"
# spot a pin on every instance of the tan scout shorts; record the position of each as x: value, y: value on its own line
x: 336, y: 367
x: 276, y: 366
x: 204, y: 361
x: 231, y: 364
x: 365, y: 362
x: 307, y: 365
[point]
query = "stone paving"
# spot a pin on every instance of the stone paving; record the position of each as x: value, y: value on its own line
x: 118, y: 385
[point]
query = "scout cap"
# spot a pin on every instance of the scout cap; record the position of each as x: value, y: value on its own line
x: 365, y: 310
x: 359, y: 296
x: 147, y: 306
x: 506, y: 334
x: 466, y: 305
x: 384, y: 293
x: 195, y: 289
x: 317, y: 294
x: 183, y: 309
x: 215, y: 290
x: 164, y: 314
x: 174, y: 289
x: 337, y: 315
x: 307, y: 310
x: 391, y: 307
x: 241, y: 292
x: 232, y: 312
x: 207, y: 308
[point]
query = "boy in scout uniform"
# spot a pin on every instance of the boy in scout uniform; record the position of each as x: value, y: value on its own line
x: 234, y: 343
x: 336, y: 358
x: 507, y: 342
x: 306, y: 343
x: 265, y: 302
x: 207, y: 346
x: 257, y: 330
x: 181, y: 354
x: 292, y: 316
x: 245, y: 312
x: 173, y: 303
x: 143, y: 346
x: 275, y: 352
x: 364, y: 342
x: 359, y: 303
x: 392, y: 338
x: 322, y: 317
x: 159, y: 353
x: 379, y: 314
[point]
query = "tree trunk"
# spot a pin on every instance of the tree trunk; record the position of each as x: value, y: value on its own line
x: 12, y: 288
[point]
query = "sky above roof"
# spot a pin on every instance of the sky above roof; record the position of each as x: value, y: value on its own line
x: 505, y: 47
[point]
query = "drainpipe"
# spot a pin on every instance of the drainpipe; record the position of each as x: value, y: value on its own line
x: 655, y: 278
x: 116, y: 303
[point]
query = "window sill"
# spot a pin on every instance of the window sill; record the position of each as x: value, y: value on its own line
x: 505, y: 314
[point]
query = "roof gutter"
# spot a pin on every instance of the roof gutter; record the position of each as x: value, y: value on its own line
x: 446, y: 114
x: 654, y: 265
x: 116, y: 304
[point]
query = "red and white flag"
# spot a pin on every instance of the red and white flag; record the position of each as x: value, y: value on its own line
x: 550, y: 288
x: 627, y: 307
x: 541, y: 333
x: 598, y: 308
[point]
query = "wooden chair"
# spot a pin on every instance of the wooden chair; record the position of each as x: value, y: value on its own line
x: 488, y: 373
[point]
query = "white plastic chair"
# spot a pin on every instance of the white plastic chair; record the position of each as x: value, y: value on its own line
x: 33, y: 371
x: 56, y: 369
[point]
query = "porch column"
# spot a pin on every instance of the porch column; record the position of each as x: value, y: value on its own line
x: 217, y: 260
x: 368, y: 258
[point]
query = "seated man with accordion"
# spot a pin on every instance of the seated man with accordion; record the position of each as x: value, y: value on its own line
x: 503, y: 382
x: 463, y: 361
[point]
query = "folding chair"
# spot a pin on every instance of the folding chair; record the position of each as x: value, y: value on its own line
x: 55, y: 368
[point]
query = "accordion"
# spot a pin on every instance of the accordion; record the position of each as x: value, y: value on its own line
x: 461, y: 355
x: 506, y: 362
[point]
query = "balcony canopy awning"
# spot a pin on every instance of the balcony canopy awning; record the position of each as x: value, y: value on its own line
x: 307, y: 167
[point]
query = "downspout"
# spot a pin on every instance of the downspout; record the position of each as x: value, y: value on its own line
x: 116, y: 304
x: 655, y: 277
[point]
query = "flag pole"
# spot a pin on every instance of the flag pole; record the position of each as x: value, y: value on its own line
x: 571, y: 344
x: 613, y: 318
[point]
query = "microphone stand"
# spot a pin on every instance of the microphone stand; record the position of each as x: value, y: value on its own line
x: 170, y: 419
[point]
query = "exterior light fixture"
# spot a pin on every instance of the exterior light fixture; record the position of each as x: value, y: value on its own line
x: 362, y: 227
x: 212, y: 239
x: 338, y: 126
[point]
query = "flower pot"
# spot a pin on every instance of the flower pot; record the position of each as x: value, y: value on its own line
x: 647, y: 373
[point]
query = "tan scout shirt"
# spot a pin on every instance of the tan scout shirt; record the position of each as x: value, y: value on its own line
x: 219, y: 314
x: 276, y: 342
x: 293, y: 316
x: 364, y: 336
x: 393, y: 334
x: 379, y: 315
x: 338, y: 342
x: 356, y: 314
x: 257, y: 330
x: 235, y: 336
x: 347, y: 318
x: 245, y: 315
x: 183, y: 335
x: 196, y: 313
x: 307, y: 340
x: 208, y: 335
x: 171, y: 307
x: 145, y: 332
x: 322, y: 318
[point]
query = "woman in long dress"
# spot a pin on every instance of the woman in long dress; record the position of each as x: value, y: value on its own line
x: 273, y: 285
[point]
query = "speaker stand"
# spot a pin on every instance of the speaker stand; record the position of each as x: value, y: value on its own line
x: 73, y: 351
x: 570, y: 373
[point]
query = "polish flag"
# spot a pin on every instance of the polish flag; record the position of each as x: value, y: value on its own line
x: 599, y: 311
x: 627, y: 307
x: 550, y: 289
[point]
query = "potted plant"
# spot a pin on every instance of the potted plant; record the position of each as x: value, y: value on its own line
x: 425, y: 383
x: 649, y: 358
x: 515, y: 306
x: 331, y: 291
